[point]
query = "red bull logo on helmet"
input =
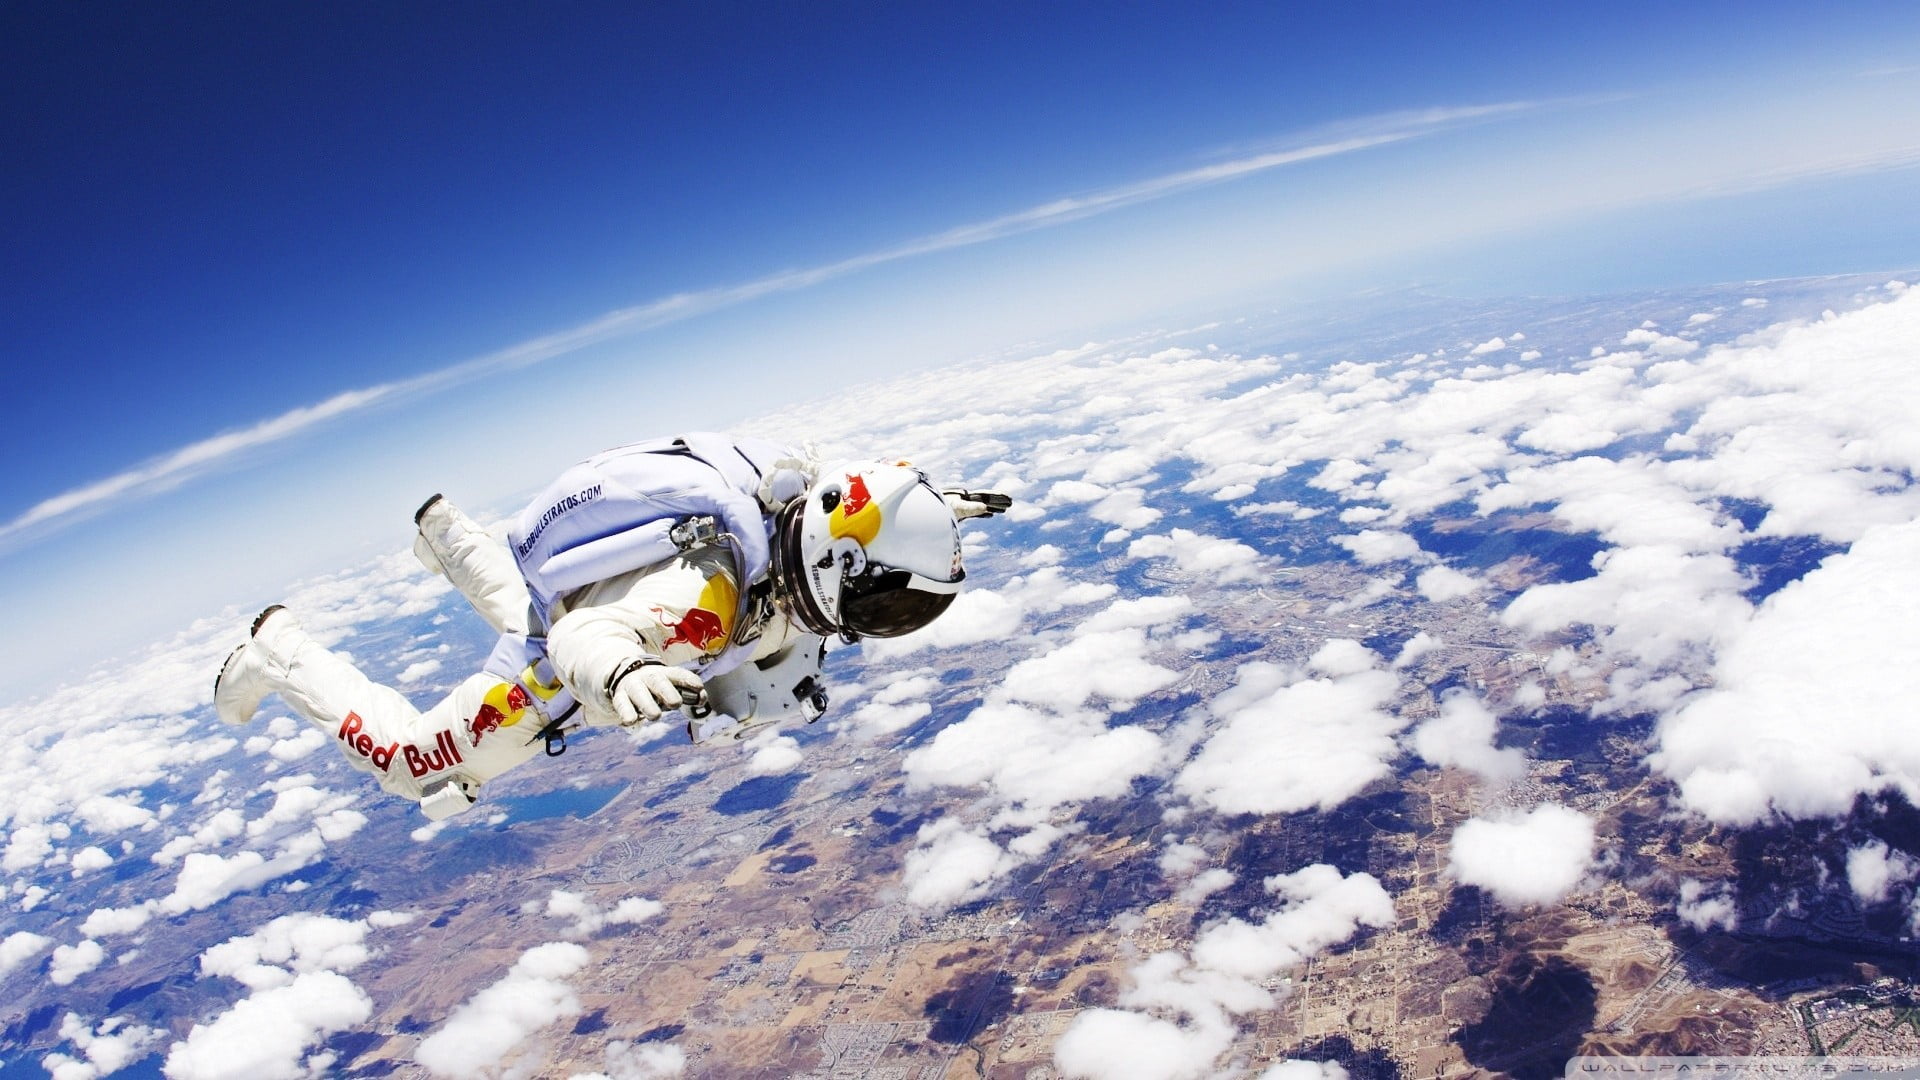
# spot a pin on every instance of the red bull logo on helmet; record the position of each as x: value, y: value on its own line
x: 502, y: 707
x: 857, y: 515
x: 857, y: 496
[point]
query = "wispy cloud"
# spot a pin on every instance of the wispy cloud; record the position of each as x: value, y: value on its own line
x: 176, y: 467
x: 170, y: 469
x: 1886, y: 159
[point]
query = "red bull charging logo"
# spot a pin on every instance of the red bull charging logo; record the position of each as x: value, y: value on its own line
x: 699, y: 628
x: 500, y: 708
x: 706, y: 625
x: 857, y: 496
x: 857, y: 515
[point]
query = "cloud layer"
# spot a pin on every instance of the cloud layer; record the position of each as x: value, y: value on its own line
x: 1137, y: 629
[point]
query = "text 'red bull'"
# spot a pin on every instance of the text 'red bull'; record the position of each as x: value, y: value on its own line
x: 418, y: 762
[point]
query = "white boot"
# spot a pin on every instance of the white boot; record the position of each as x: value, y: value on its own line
x: 422, y: 547
x: 244, y: 681
x: 454, y: 546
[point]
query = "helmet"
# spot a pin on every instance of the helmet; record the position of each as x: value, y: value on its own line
x: 871, y: 550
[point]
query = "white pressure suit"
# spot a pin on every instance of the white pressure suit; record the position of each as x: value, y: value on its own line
x: 651, y: 558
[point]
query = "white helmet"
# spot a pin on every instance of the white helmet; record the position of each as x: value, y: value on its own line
x: 871, y: 550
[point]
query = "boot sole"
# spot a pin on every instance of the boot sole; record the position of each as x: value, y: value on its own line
x: 225, y: 666
x: 262, y: 617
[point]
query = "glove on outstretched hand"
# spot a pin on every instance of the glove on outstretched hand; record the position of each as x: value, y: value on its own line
x: 646, y: 688
x: 973, y: 504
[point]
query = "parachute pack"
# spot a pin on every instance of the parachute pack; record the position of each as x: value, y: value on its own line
x: 640, y: 505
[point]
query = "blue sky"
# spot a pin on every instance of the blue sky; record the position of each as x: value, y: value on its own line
x: 470, y: 220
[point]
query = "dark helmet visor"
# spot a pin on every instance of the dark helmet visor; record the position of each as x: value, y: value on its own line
x: 886, y: 605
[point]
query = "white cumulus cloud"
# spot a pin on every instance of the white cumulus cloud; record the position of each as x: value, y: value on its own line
x: 286, y: 947
x: 72, y: 961
x: 1443, y: 583
x: 1705, y: 908
x: 1304, y: 1070
x: 1373, y: 547
x: 268, y: 1035
x: 1462, y: 736
x: 1873, y: 870
x: 1210, y: 557
x: 485, y: 1029
x: 773, y: 754
x: 1177, y: 1017
x: 640, y: 1061
x: 1290, y: 742
x: 104, y: 1049
x: 19, y: 947
x: 1525, y: 861
x: 1105, y: 664
x: 588, y: 917
x: 106, y: 921
x: 1812, y: 704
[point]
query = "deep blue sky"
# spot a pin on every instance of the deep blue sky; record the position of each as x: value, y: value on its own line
x: 215, y: 214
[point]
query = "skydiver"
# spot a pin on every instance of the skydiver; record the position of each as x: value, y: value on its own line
x: 618, y: 599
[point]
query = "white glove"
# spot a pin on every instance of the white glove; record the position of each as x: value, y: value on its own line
x: 788, y: 479
x: 639, y: 692
x: 974, y: 504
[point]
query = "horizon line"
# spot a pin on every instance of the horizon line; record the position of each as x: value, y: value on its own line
x: 165, y: 471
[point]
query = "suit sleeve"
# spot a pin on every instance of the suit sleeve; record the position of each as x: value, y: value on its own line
x: 681, y: 613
